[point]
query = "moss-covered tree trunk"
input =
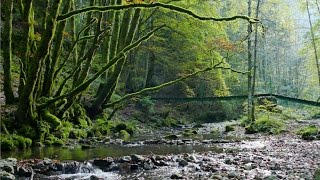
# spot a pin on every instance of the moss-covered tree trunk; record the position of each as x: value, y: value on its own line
x: 51, y: 62
x: 27, y: 41
x: 27, y: 112
x: 7, y: 51
x: 128, y: 28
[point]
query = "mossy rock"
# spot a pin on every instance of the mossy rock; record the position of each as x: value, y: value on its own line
x: 189, y: 132
x: 310, y: 132
x: 265, y: 124
x: 124, y: 134
x: 229, y: 128
x: 171, y: 137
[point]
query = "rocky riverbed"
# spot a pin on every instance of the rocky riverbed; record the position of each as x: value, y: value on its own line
x: 283, y: 156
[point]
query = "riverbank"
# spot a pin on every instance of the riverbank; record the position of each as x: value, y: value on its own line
x: 255, y: 156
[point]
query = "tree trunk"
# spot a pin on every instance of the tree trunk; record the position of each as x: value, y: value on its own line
x: 51, y: 62
x: 313, y: 42
x: 7, y: 51
x: 253, y: 83
x: 126, y: 35
x: 27, y: 112
x: 250, y: 69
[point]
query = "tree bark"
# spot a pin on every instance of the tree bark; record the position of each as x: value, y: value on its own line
x: 253, y: 83
x: 7, y: 51
x: 27, y: 112
x: 250, y: 69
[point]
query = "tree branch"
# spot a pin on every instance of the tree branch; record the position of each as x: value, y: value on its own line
x: 114, y: 60
x: 153, y: 5
x: 155, y: 88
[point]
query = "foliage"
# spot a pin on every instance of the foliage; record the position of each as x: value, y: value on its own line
x: 169, y: 122
x: 265, y: 124
x: 147, y: 103
x: 11, y: 142
x: 310, y: 132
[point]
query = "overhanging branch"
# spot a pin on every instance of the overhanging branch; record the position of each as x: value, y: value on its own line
x: 113, y: 61
x: 154, y: 5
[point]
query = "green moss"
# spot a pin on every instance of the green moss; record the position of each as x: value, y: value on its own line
x: 51, y: 119
x: 189, y: 132
x: 124, y: 134
x: 171, y: 137
x: 66, y: 128
x: 229, y: 128
x: 52, y: 140
x: 11, y: 142
x: 28, y: 131
x: 78, y: 133
x: 7, y: 144
x: 265, y: 124
x: 310, y: 132
x: 169, y: 122
x: 21, y: 142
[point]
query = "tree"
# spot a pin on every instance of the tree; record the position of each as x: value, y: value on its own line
x: 47, y: 97
x: 7, y: 51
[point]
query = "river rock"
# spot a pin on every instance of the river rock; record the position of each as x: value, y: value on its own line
x: 148, y: 164
x: 233, y: 174
x: 182, y: 162
x: 103, y: 162
x: 6, y: 176
x: 134, y: 167
x: 24, y: 171
x: 151, y: 141
x: 94, y: 177
x: 70, y: 167
x: 176, y: 176
x: 137, y: 158
x: 125, y: 159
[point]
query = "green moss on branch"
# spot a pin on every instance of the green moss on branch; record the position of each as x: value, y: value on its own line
x: 154, y: 5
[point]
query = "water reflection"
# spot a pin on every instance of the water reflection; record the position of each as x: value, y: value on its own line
x: 77, y: 153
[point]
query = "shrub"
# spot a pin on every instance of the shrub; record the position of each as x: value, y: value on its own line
x: 310, y: 132
x: 7, y: 144
x: 169, y: 122
x: 265, y: 124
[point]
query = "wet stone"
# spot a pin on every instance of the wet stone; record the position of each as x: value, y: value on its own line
x: 147, y: 164
x: 182, y: 162
x: 137, y: 158
x: 134, y: 167
x: 103, y: 162
x: 6, y: 176
x: 23, y: 171
x: 176, y: 176
x: 125, y: 159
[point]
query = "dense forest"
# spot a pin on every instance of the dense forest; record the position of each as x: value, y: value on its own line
x: 86, y: 72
